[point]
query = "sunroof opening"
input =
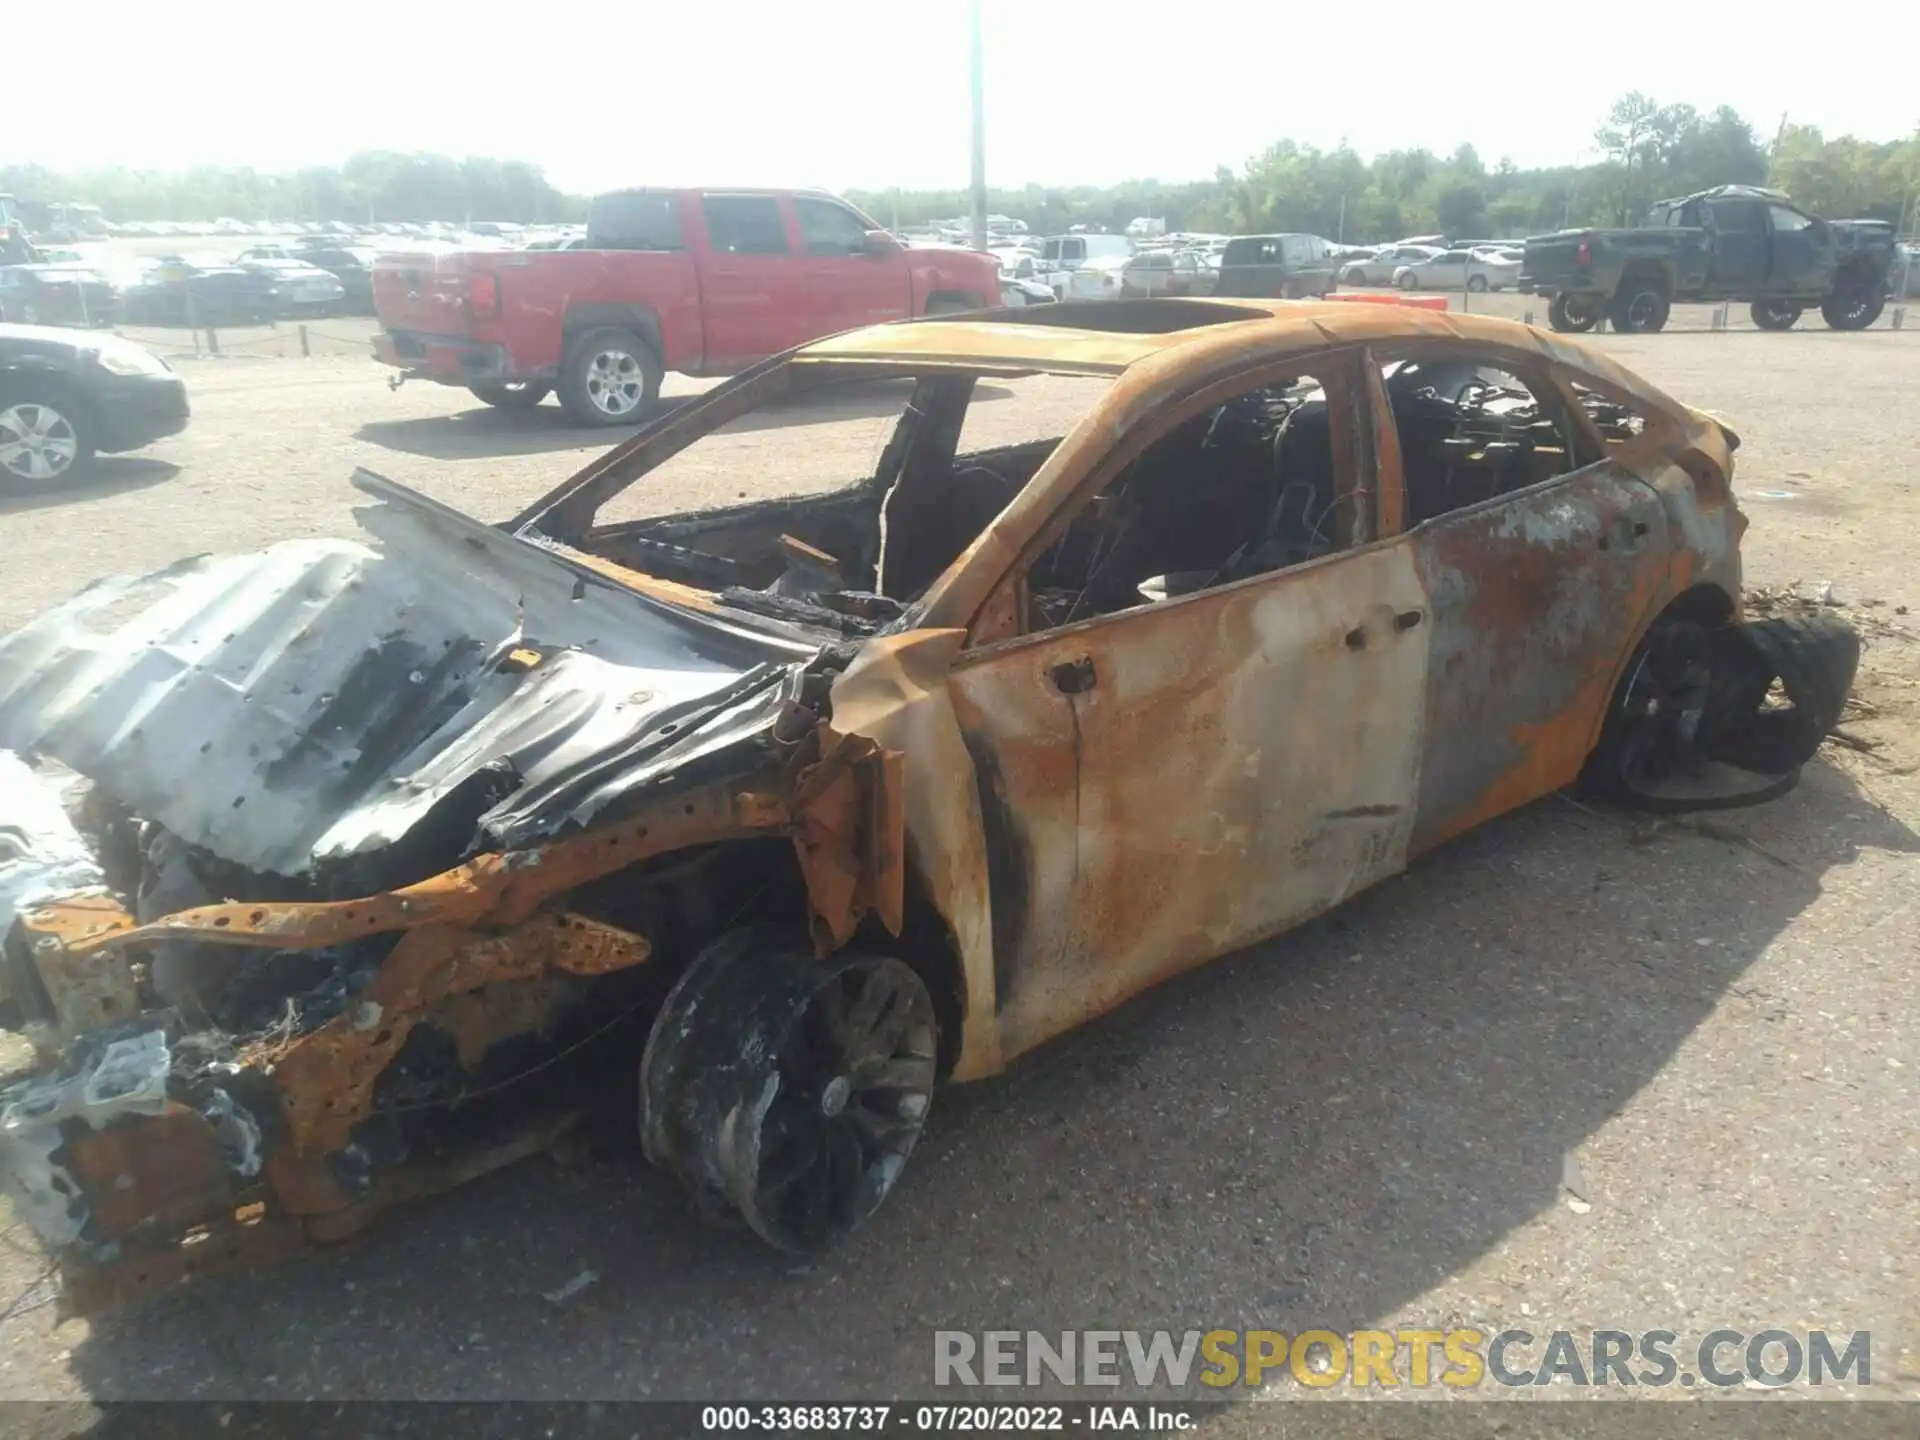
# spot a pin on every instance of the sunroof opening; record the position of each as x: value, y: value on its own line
x: 1118, y: 317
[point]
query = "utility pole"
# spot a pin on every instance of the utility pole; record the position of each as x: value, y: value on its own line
x: 1773, y: 155
x: 979, y: 126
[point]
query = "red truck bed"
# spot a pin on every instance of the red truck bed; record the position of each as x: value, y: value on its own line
x: 702, y: 282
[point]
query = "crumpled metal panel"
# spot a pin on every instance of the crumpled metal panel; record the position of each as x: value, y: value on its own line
x: 316, y: 699
x: 42, y: 855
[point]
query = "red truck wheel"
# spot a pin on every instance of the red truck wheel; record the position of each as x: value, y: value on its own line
x: 610, y: 377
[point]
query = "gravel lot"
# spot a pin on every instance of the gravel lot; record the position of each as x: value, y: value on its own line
x: 1363, y: 1124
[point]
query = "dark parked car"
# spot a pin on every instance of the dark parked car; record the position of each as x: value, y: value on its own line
x: 56, y: 295
x: 1279, y: 267
x: 298, y: 287
x: 181, y: 292
x: 1735, y: 242
x: 66, y: 395
x: 352, y: 267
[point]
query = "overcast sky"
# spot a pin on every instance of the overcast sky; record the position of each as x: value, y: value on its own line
x: 870, y: 93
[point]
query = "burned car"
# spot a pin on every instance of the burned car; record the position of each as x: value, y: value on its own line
x: 338, y: 873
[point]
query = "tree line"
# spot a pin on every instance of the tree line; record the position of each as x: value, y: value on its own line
x: 371, y: 186
x: 1648, y: 150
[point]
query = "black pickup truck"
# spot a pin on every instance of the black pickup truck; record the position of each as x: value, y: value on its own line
x: 1735, y: 242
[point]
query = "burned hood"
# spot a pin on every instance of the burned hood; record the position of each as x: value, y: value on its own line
x: 319, y: 699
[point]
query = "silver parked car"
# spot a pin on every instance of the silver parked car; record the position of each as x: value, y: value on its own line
x: 1379, y: 268
x: 1459, y: 270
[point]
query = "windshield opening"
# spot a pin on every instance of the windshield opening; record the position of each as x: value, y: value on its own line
x: 837, y: 500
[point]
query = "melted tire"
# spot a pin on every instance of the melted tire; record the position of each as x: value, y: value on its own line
x: 1814, y: 657
x: 787, y: 1091
x: 1695, y: 696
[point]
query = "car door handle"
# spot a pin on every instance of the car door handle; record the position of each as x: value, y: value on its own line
x: 1074, y: 677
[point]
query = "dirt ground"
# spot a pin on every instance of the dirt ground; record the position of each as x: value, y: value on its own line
x: 1366, y: 1123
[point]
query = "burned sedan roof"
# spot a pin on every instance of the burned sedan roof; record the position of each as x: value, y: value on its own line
x: 1117, y: 336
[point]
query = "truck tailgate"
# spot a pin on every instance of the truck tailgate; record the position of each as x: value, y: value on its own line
x: 424, y: 291
x: 1552, y: 257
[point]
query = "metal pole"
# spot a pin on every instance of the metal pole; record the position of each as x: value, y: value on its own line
x: 979, y: 85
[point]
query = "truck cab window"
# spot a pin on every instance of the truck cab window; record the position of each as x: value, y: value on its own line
x: 744, y: 224
x: 1730, y: 215
x: 829, y: 229
x: 1787, y: 222
x: 634, y: 221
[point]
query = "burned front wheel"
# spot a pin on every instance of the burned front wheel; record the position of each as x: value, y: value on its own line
x: 787, y: 1089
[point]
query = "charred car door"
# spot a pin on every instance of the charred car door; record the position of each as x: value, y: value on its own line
x: 1539, y: 555
x: 1228, y: 753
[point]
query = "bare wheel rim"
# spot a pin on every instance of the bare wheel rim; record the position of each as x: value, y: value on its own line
x: 616, y: 382
x: 37, y: 442
x: 855, y: 1084
x: 1664, y: 703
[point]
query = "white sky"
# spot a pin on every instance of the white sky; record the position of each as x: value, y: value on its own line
x: 870, y: 93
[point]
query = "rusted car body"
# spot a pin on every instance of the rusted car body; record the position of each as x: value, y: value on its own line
x: 807, y: 804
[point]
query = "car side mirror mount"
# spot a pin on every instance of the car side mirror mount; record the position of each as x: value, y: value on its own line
x: 878, y: 243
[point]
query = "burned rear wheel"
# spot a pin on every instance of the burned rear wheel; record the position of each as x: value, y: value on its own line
x: 1701, y: 701
x: 787, y: 1089
x: 1652, y: 730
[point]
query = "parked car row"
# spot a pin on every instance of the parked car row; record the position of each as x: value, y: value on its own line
x: 1419, y: 265
x: 172, y: 290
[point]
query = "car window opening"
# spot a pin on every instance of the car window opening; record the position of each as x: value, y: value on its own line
x: 950, y: 451
x: 1471, y: 431
x: 1243, y: 489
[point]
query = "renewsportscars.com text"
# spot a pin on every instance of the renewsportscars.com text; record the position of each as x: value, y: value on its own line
x: 1457, y: 1358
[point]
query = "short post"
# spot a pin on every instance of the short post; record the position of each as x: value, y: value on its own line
x: 213, y: 341
x: 1526, y: 316
x: 1899, y: 317
x: 1720, y: 316
x: 1600, y: 323
x: 306, y: 351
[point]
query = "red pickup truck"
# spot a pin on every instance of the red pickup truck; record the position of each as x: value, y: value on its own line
x: 704, y: 282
